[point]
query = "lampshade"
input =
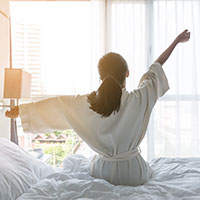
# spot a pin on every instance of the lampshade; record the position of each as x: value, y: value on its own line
x: 17, y: 84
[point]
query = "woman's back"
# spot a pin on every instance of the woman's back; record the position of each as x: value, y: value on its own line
x: 116, y: 138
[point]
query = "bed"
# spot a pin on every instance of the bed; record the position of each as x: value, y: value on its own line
x: 24, y: 177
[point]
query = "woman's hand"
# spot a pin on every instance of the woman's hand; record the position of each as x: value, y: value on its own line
x: 13, y: 113
x: 183, y: 37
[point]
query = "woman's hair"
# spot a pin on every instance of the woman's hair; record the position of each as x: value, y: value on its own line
x: 112, y: 70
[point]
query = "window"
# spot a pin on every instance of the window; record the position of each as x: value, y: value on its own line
x: 176, y: 119
x: 63, y: 42
x: 55, y: 47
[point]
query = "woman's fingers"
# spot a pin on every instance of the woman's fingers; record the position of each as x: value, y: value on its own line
x: 187, y: 32
x: 188, y: 35
x: 184, y: 36
x: 8, y: 114
x: 13, y: 113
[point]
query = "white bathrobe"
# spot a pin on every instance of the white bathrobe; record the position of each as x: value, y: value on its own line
x: 115, y: 138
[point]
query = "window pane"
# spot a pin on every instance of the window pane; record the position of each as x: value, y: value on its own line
x: 128, y: 36
x: 175, y: 128
x: 170, y: 18
x: 54, y: 45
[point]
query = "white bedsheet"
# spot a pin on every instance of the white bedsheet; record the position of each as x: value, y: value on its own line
x: 172, y: 179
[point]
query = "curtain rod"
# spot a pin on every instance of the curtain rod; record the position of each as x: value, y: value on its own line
x: 2, y: 13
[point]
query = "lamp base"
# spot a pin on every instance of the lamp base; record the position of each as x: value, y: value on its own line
x: 13, y: 126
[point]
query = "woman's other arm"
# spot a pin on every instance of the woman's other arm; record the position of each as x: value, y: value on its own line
x: 41, y: 116
x: 182, y: 37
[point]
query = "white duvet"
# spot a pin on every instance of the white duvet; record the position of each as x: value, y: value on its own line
x: 18, y: 170
x: 23, y: 177
x: 172, y: 179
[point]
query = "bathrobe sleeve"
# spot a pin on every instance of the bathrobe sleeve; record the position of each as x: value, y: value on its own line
x: 43, y: 116
x: 153, y: 84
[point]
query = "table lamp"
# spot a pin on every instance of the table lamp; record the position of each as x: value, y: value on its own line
x: 17, y: 85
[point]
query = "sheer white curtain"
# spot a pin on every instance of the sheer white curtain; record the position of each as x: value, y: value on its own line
x: 140, y: 31
x: 176, y: 117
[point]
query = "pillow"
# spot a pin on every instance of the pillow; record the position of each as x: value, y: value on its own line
x: 18, y: 170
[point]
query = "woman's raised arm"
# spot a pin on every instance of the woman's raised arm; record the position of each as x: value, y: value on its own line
x: 182, y: 37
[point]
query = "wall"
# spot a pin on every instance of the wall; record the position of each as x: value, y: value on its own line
x: 4, y: 62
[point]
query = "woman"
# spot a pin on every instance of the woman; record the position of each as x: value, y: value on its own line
x: 111, y: 121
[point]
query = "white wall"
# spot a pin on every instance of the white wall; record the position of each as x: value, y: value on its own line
x: 4, y: 62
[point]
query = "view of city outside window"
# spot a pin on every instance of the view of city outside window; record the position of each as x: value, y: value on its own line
x: 45, y: 42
